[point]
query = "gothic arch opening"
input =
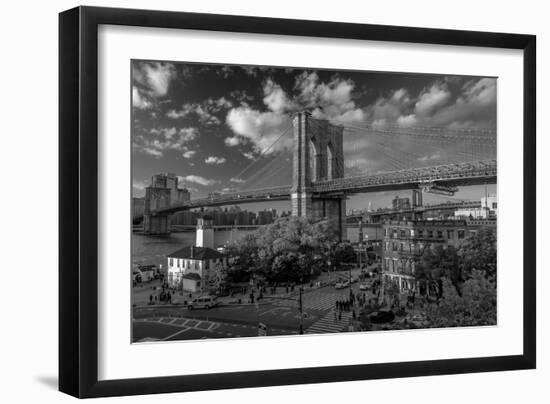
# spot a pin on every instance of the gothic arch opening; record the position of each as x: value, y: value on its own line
x: 330, y: 161
x: 313, y: 163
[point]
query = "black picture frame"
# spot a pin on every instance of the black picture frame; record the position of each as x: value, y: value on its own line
x: 78, y: 201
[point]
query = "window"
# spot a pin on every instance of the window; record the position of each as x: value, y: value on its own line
x: 385, y: 232
x: 430, y: 233
x: 206, y: 264
x: 450, y: 234
x: 394, y: 247
x: 420, y: 233
x: 401, y: 247
x: 494, y: 205
x: 387, y: 245
x: 460, y: 234
x: 439, y: 234
x: 412, y: 232
x: 171, y: 261
x: 402, y: 234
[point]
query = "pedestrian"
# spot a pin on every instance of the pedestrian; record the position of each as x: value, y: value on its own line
x: 339, y: 315
x: 335, y: 315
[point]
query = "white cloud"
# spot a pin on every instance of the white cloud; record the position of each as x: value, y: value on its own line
x: 215, y: 160
x: 201, y: 111
x: 189, y: 154
x: 260, y: 128
x: 158, y: 76
x: 159, y: 140
x: 275, y: 97
x: 217, y: 105
x: 140, y: 100
x: 332, y: 100
x: 249, y: 156
x: 389, y: 109
x: 236, y: 180
x: 197, y: 179
x: 482, y: 92
x: 241, y: 96
x: 232, y: 141
x: 407, y: 121
x: 433, y: 98
x: 475, y: 107
x: 173, y: 114
x: 152, y: 151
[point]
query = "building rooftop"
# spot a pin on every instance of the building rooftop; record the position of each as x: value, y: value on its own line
x: 196, y: 253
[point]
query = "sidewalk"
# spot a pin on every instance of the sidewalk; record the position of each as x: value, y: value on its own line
x: 141, y: 294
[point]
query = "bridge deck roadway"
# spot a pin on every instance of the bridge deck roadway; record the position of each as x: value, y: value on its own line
x: 460, y: 174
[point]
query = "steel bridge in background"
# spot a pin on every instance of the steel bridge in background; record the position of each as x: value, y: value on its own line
x: 322, y: 178
x: 452, y: 175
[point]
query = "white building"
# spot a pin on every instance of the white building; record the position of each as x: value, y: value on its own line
x: 487, y: 210
x: 195, y: 267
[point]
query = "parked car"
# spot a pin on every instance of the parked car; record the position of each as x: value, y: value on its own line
x: 341, y: 285
x: 364, y: 286
x: 203, y: 302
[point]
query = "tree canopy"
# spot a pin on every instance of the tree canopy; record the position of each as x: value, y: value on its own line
x: 458, y: 264
x: 292, y: 249
x: 477, y: 305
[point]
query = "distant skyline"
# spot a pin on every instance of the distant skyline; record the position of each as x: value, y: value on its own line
x: 206, y: 123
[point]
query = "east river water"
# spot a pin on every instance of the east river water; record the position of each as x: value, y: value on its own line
x: 154, y: 249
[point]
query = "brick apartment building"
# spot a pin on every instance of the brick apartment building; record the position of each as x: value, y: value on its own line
x: 405, y: 241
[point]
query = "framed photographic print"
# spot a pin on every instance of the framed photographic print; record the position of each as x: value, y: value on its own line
x: 250, y: 202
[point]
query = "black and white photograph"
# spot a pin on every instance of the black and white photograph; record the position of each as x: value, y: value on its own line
x: 276, y: 201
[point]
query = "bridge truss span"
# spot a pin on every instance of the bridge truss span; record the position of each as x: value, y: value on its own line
x: 468, y: 173
x: 241, y: 197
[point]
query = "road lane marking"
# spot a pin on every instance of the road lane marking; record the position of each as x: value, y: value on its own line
x: 174, y: 334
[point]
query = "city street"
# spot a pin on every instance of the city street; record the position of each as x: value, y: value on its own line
x: 281, y: 315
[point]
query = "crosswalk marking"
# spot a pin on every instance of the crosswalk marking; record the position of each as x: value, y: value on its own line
x: 316, y: 300
x: 328, y: 324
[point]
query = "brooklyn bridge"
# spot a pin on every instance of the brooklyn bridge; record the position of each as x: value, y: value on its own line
x: 324, y: 163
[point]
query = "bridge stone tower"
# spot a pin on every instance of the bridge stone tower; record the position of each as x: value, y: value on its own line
x: 156, y: 223
x: 163, y: 193
x: 318, y: 156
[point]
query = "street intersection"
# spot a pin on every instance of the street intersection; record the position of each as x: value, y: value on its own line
x: 281, y: 316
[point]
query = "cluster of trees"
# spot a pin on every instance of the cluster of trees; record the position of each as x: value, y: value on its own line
x: 462, y: 281
x: 292, y: 249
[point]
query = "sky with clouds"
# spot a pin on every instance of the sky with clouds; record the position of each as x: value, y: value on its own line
x: 208, y: 123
